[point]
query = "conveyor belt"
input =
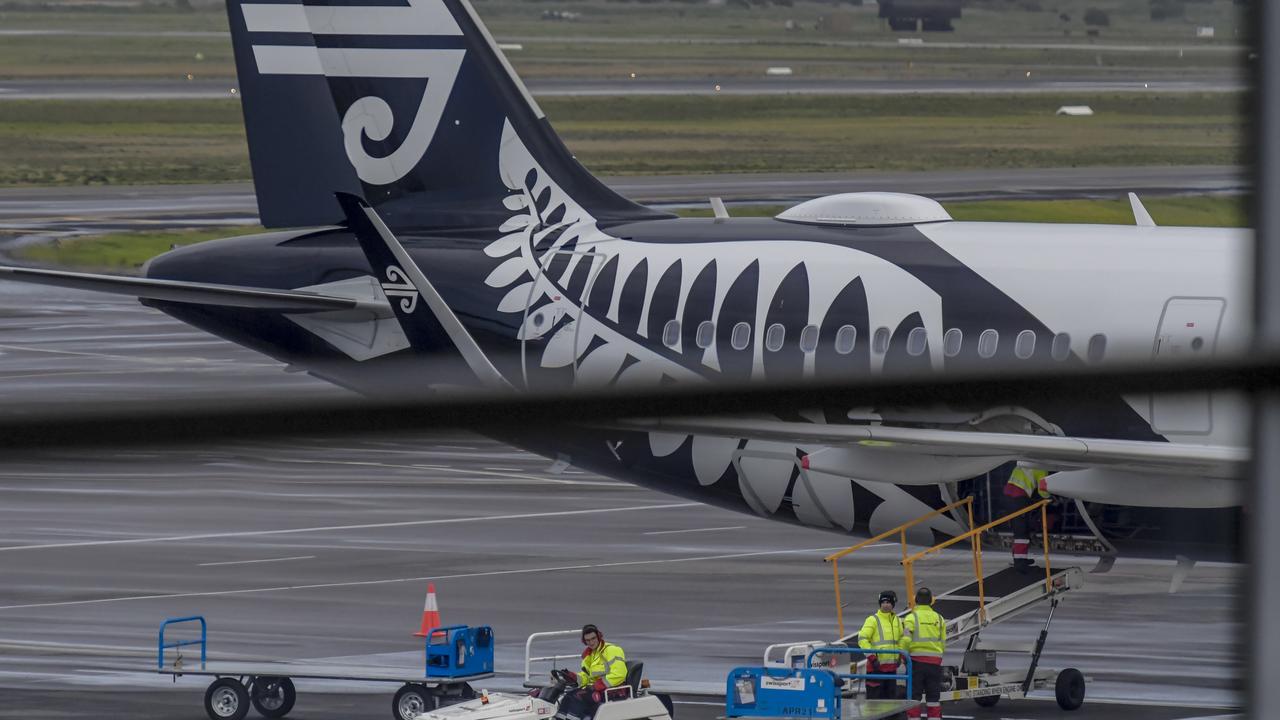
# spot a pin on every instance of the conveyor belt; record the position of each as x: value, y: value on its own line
x: 964, y: 600
x: 1008, y: 593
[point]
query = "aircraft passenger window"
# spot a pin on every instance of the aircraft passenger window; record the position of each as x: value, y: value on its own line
x: 952, y: 341
x: 671, y: 333
x: 880, y: 341
x: 1061, y: 347
x: 809, y: 338
x: 774, y: 337
x: 1025, y: 346
x: 846, y: 338
x: 741, y: 336
x: 1097, y: 348
x: 706, y: 335
x: 917, y: 340
x: 988, y: 341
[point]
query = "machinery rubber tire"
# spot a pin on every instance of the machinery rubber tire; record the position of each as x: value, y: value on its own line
x: 1070, y: 689
x: 987, y: 701
x: 226, y: 699
x: 411, y: 701
x: 272, y: 697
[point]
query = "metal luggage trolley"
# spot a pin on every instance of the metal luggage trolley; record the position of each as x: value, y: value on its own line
x: 453, y: 657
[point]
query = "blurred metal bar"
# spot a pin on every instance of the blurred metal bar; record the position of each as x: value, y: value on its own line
x: 132, y: 424
x: 1261, y: 631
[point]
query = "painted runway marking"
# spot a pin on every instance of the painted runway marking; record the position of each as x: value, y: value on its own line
x: 424, y: 578
x: 364, y: 526
x: 487, y: 471
x: 252, y: 562
x: 108, y: 356
x: 694, y: 530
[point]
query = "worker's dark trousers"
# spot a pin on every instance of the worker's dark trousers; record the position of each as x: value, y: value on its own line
x: 577, y: 705
x: 1022, y: 527
x: 883, y: 689
x: 926, y: 681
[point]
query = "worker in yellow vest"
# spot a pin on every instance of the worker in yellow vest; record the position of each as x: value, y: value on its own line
x: 882, y: 630
x: 924, y: 638
x: 604, y: 666
x: 1025, y: 486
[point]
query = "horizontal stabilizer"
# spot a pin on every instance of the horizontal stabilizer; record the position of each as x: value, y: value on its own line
x: 291, y: 301
x: 437, y: 325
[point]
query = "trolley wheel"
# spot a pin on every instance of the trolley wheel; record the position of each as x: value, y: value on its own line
x: 1070, y: 689
x: 226, y: 699
x: 411, y: 701
x: 273, y: 697
x: 987, y: 701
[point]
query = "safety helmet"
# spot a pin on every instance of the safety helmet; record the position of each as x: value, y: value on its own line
x: 924, y: 596
x: 889, y: 596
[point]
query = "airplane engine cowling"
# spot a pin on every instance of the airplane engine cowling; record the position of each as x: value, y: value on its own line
x: 1125, y: 487
x: 880, y: 464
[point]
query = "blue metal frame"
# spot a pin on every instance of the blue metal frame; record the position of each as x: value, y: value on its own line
x: 203, y: 642
x: 864, y: 676
x: 815, y: 694
x: 476, y: 662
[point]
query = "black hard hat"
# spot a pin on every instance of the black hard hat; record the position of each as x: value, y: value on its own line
x: 889, y: 595
x: 924, y: 596
x: 589, y: 629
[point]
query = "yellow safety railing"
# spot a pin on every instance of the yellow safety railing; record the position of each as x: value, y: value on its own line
x: 901, y: 531
x: 974, y: 535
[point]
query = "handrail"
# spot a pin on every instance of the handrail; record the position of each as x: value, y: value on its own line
x: 529, y: 659
x: 833, y: 650
x: 974, y: 533
x: 203, y: 642
x: 901, y: 530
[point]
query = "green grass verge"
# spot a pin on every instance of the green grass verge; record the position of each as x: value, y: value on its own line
x: 137, y: 142
x: 826, y: 40
x: 1000, y: 20
x: 1192, y: 211
x: 128, y: 251
x: 122, y: 251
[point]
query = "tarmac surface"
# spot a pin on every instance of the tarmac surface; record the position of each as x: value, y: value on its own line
x: 321, y: 551
x: 223, y: 88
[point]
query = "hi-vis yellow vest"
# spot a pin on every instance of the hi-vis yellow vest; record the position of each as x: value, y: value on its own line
x: 1030, y: 481
x: 607, y: 662
x: 882, y: 630
x: 924, y: 633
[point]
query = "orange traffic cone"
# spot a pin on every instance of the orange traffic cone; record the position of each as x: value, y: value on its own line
x: 430, y: 613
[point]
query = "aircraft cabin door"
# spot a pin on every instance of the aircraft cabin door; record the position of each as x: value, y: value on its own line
x: 1188, y: 330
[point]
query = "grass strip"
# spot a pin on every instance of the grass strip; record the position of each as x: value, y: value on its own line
x: 127, y: 252
x: 157, y: 141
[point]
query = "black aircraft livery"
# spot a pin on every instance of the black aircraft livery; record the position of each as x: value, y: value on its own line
x: 448, y: 223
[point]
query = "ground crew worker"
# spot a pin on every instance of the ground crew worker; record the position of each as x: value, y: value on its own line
x: 882, y: 630
x: 1025, y: 486
x: 924, y: 638
x: 604, y: 666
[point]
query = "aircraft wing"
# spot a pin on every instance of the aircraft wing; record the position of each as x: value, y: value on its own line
x: 291, y: 301
x: 1048, y: 451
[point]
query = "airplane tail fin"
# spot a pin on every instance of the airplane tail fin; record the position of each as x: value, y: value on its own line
x: 433, y: 127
